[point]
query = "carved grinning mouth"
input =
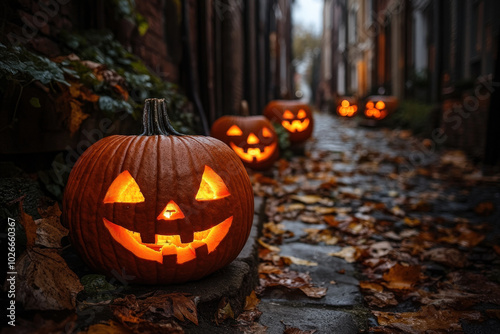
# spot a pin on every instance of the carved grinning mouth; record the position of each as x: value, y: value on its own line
x: 254, y: 153
x: 296, y: 125
x: 169, y: 244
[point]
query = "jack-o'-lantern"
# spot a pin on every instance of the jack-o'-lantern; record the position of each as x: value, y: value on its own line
x: 347, y: 107
x: 296, y: 117
x: 252, y: 138
x: 378, y: 107
x: 161, y: 207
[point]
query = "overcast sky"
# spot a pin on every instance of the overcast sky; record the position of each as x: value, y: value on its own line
x: 308, y: 13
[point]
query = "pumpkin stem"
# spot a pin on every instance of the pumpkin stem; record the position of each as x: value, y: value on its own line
x: 155, y: 119
x: 244, y: 108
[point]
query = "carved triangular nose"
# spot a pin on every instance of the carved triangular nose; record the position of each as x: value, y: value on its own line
x: 252, y: 139
x: 171, y: 212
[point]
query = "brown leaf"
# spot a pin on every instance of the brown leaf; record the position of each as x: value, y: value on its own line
x: 29, y: 227
x: 110, y: 327
x: 122, y: 91
x: 451, y: 298
x: 87, y: 95
x: 401, y: 277
x: 267, y: 246
x: 381, y: 299
x: 380, y: 249
x: 49, y: 229
x: 77, y: 116
x: 372, y: 287
x: 330, y: 220
x: 224, y: 311
x: 348, y: 253
x: 45, y: 282
x: 315, y: 235
x: 322, y: 210
x: 312, y: 199
x: 428, y: 318
x: 310, y: 218
x: 249, y: 316
x: 184, y: 307
x: 484, y: 208
x: 287, y: 278
x: 300, y: 262
x: 448, y: 256
x: 293, y: 330
x: 252, y: 328
x: 251, y: 301
x: 156, y: 313
x: 314, y: 292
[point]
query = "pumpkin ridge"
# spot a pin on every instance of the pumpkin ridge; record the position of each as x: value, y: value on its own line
x: 106, y: 262
x: 145, y: 142
x: 69, y: 187
x: 100, y: 152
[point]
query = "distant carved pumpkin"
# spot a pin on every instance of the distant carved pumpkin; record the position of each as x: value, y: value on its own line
x: 378, y: 107
x: 161, y: 207
x: 347, y: 107
x: 295, y: 116
x: 252, y: 138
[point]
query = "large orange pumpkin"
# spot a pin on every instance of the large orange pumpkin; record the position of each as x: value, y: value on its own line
x: 161, y: 206
x: 252, y: 138
x: 296, y: 117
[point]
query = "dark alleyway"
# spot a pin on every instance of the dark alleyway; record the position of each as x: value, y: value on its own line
x: 364, y: 204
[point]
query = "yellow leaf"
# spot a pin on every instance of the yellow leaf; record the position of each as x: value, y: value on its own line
x: 301, y: 262
x: 77, y: 116
x: 268, y: 246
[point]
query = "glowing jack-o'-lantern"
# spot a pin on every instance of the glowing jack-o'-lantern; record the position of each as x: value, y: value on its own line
x: 378, y: 107
x: 348, y: 107
x: 295, y: 116
x: 161, y: 207
x: 252, y: 138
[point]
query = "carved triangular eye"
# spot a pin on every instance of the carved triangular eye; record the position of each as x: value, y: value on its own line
x: 124, y: 189
x: 301, y: 114
x: 234, y: 131
x: 288, y: 114
x: 212, y: 187
x: 266, y: 133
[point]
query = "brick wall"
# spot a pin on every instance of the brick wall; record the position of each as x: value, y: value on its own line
x: 154, y: 47
x: 36, y: 23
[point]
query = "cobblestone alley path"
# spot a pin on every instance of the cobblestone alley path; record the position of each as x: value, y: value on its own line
x: 374, y: 230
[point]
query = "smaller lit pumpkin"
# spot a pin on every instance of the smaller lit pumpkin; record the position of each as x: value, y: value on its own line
x: 348, y: 107
x: 378, y: 107
x: 252, y: 138
x: 295, y: 116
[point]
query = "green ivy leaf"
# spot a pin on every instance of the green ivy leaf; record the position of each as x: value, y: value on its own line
x: 35, y: 102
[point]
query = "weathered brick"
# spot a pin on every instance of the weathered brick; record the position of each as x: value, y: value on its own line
x: 39, y: 21
x: 45, y: 46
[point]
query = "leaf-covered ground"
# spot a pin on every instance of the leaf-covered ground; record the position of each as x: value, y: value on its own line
x: 420, y: 226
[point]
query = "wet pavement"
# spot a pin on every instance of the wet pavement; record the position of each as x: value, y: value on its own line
x: 363, y: 170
